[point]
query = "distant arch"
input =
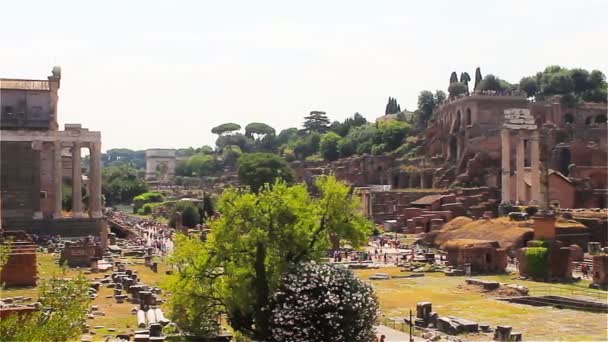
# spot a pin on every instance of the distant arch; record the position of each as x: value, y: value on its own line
x: 588, y: 120
x: 569, y: 118
x: 601, y: 119
x: 468, y: 117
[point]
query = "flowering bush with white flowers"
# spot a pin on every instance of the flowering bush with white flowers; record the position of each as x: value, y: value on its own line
x: 322, y: 302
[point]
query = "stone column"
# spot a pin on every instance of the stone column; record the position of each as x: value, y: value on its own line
x: 38, y: 146
x: 422, y: 184
x: 535, y: 170
x: 57, y: 180
x: 519, y: 158
x: 95, y: 180
x: 76, y: 181
x: 505, y: 142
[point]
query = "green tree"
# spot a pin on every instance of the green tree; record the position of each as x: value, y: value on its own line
x: 478, y: 77
x: 346, y: 147
x: 316, y: 122
x: 456, y: 89
x: 329, y: 146
x: 225, y: 128
x: 230, y: 155
x: 491, y: 82
x: 255, y: 241
x: 392, y: 106
x: 208, y: 209
x: 181, y: 169
x: 258, y: 130
x: 307, y: 145
x: 58, y: 319
x: 528, y: 85
x: 257, y: 169
x: 237, y: 139
x: 203, y: 165
x: 205, y: 149
x: 334, y: 305
x: 121, y: 183
x: 453, y: 77
x: 191, y: 215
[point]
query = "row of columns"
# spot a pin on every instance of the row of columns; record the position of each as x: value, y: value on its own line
x: 94, y: 180
x: 520, y: 154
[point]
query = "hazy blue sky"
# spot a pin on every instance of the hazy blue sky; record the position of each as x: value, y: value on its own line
x: 163, y: 73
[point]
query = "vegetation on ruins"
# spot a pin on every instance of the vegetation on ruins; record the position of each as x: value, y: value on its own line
x: 121, y: 183
x: 329, y: 146
x: 202, y: 165
x: 257, y: 169
x: 573, y: 84
x: 347, y: 306
x: 258, y: 238
x: 61, y: 317
x: 392, y: 107
x: 537, y: 259
x: 147, y: 197
x: 427, y: 106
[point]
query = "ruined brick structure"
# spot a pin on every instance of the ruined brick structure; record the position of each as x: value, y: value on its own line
x: 21, y: 268
x: 34, y: 154
x: 483, y: 256
x: 463, y: 146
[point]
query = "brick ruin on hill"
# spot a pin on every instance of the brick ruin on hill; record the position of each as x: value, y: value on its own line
x: 464, y: 146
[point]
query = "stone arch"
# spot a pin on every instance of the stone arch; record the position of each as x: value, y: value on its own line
x: 601, y: 119
x: 588, y: 120
x: 457, y: 122
x: 468, y: 117
x: 568, y: 118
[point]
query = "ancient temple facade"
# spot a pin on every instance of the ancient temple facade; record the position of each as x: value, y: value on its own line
x: 33, y: 156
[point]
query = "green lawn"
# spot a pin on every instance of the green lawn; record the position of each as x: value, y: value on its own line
x: 451, y: 298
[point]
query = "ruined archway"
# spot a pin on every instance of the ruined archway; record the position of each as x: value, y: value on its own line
x: 568, y: 118
x: 600, y: 119
x: 468, y: 117
x: 588, y: 120
x: 453, y: 147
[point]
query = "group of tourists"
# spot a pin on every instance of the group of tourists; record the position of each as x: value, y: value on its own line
x: 151, y: 233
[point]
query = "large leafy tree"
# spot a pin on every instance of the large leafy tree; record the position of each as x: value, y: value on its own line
x: 257, y: 169
x: 61, y: 317
x: 203, y: 165
x: 258, y: 130
x: 322, y: 302
x: 316, y: 122
x: 329, y: 146
x: 121, y: 183
x: 255, y: 241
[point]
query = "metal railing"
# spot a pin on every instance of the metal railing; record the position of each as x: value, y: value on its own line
x: 585, y: 294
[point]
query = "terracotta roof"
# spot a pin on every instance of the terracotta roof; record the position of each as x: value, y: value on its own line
x: 7, y: 83
x: 428, y: 199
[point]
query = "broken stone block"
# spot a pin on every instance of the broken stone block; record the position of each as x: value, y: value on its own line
x: 445, y: 325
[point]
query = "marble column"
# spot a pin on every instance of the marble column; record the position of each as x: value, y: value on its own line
x: 95, y: 180
x: 535, y: 169
x: 57, y: 180
x: 519, y: 162
x: 76, y: 181
x: 506, y: 165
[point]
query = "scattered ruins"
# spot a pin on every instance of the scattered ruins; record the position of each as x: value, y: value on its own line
x: 33, y: 162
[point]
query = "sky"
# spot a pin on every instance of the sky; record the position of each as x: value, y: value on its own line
x: 161, y: 74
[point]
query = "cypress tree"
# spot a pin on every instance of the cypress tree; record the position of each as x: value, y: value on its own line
x: 453, y: 77
x: 478, y: 78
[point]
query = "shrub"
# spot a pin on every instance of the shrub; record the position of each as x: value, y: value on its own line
x: 537, y: 261
x: 323, y: 303
x: 146, y: 197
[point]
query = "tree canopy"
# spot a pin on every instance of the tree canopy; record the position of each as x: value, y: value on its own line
x: 252, y: 245
x: 121, y: 183
x: 202, y: 164
x: 257, y: 169
x: 316, y: 122
x: 329, y: 146
x: 573, y: 84
x: 225, y: 128
x: 392, y: 107
x: 259, y: 129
